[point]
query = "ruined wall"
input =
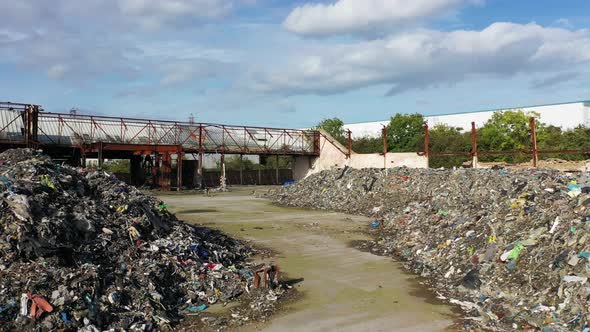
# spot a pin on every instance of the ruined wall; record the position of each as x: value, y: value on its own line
x: 333, y: 155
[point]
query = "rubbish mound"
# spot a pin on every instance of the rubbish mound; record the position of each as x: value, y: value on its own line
x: 81, y: 250
x: 512, y: 248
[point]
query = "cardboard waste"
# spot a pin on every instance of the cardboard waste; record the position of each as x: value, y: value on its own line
x: 512, y: 248
x: 80, y: 250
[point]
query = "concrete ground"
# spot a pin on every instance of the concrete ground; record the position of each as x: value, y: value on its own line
x: 343, y: 288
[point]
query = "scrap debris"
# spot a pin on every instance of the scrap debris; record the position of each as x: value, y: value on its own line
x: 510, y: 247
x: 81, y: 250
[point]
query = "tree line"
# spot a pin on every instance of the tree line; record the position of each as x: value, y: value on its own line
x: 504, y: 131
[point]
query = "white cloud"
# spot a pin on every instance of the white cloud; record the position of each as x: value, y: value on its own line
x: 68, y: 39
x: 427, y: 58
x: 353, y: 16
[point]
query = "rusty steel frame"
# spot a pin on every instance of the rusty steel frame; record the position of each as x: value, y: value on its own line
x: 194, y: 137
x: 475, y: 152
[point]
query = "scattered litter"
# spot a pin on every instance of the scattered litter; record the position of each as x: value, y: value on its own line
x: 81, y: 250
x: 516, y: 241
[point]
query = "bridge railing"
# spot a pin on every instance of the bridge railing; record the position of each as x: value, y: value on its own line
x: 77, y: 130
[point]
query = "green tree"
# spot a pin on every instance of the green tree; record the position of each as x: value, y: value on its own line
x: 507, y: 131
x: 270, y: 162
x: 576, y: 139
x: 405, y: 133
x: 448, y: 139
x: 233, y: 163
x: 368, y: 144
x: 334, y: 127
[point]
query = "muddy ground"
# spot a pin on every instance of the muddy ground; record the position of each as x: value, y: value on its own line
x: 341, y: 288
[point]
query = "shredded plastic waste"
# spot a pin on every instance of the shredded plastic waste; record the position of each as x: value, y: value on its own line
x: 81, y: 250
x: 501, y: 244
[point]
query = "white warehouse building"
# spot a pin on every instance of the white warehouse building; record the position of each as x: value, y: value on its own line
x: 565, y: 115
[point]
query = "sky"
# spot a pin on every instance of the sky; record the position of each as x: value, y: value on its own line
x: 291, y: 64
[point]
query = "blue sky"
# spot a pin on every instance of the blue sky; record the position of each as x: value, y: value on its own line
x: 292, y: 63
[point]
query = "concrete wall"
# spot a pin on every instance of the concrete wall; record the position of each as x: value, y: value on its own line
x: 333, y: 155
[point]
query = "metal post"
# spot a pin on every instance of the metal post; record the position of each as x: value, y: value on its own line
x: 166, y: 170
x: 349, y: 143
x: 179, y: 171
x: 534, y: 138
x: 473, y: 145
x: 384, y: 133
x: 241, y: 169
x: 100, y: 156
x: 426, y: 142
x: 200, y: 166
x: 27, y: 124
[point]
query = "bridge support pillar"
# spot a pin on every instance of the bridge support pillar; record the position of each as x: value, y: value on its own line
x: 179, y: 171
x: 100, y: 156
x: 222, y: 179
x: 166, y: 170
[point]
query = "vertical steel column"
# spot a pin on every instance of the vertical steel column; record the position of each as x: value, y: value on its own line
x: 534, y: 138
x: 384, y: 134
x: 100, y: 156
x: 200, y: 169
x: 179, y: 170
x: 27, y: 124
x: 473, y: 145
x: 166, y: 171
x: 349, y: 143
x: 156, y: 170
x: 35, y: 125
x: 426, y: 143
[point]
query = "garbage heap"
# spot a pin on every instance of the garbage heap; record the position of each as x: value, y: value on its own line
x: 81, y: 250
x: 512, y: 248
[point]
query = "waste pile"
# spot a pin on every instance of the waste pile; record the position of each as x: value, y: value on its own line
x: 512, y: 248
x: 80, y: 250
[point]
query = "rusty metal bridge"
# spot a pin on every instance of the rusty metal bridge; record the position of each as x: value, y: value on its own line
x: 85, y: 136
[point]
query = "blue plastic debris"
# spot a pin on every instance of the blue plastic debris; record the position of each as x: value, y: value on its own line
x: 64, y: 317
x: 196, y: 308
x: 375, y: 223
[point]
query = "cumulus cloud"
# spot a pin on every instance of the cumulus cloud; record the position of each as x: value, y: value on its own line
x: 427, y: 58
x: 68, y: 39
x: 353, y: 16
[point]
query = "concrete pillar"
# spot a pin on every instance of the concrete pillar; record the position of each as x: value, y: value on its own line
x: 223, y: 180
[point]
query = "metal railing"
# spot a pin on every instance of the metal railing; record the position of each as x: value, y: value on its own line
x: 78, y: 130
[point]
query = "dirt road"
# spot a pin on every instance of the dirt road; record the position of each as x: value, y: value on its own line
x: 343, y: 289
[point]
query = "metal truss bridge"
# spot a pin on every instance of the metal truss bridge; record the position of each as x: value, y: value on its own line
x: 111, y: 137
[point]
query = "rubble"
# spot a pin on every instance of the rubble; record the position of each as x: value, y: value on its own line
x: 81, y: 250
x: 508, y: 246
